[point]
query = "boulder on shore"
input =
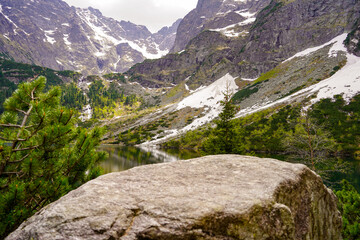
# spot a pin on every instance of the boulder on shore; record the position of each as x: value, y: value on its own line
x: 213, y: 197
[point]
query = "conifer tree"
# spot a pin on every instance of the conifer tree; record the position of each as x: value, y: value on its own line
x: 309, y: 141
x: 43, y: 155
x: 223, y: 138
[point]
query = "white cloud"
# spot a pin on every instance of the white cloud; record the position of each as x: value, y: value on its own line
x: 154, y: 14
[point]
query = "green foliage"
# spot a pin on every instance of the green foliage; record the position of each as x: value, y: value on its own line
x: 335, y: 69
x: 104, y: 100
x: 70, y: 74
x: 309, y: 141
x: 6, y: 89
x: 245, y: 93
x: 191, y: 140
x: 349, y: 206
x: 341, y: 119
x: 130, y: 100
x: 115, y: 76
x: 270, y: 74
x: 23, y: 72
x: 101, y: 100
x: 43, y: 155
x: 73, y: 97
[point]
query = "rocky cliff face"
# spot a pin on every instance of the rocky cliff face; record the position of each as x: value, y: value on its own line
x: 284, y: 28
x: 214, y: 197
x: 353, y: 40
x: 52, y: 34
x: 210, y: 14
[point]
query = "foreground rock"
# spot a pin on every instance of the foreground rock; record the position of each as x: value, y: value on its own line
x: 214, y: 197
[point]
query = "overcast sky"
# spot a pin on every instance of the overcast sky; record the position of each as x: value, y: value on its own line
x: 154, y: 14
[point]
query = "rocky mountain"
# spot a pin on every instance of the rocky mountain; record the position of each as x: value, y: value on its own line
x: 263, y: 35
x: 51, y: 33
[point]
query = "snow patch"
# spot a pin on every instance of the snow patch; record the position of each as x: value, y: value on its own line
x: 66, y: 40
x: 187, y: 87
x: 117, y: 62
x: 246, y: 14
x: 50, y: 39
x: 337, y: 46
x: 99, y: 54
x: 86, y: 113
x: 249, y: 79
x: 7, y: 37
x: 229, y: 31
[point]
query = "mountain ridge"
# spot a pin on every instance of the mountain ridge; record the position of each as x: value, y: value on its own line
x: 55, y: 35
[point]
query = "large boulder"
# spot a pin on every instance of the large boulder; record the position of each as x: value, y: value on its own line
x: 213, y: 197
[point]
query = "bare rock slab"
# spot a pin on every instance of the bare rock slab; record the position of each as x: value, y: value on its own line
x: 213, y: 197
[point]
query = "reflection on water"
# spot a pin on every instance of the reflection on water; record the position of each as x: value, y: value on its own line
x: 126, y: 157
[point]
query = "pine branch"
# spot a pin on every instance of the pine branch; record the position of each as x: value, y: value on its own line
x: 10, y: 173
x: 10, y: 125
x: 19, y: 110
x: 22, y: 159
x: 15, y: 126
x: 25, y: 149
x: 21, y: 100
x: 12, y: 140
x: 75, y: 163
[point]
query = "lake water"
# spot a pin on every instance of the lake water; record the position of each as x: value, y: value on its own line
x: 125, y: 157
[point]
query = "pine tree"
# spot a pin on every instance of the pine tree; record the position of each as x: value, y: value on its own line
x: 309, y: 141
x: 223, y: 138
x: 42, y: 154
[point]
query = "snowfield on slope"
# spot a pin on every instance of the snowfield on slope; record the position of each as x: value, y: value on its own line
x: 208, y: 97
x: 344, y: 82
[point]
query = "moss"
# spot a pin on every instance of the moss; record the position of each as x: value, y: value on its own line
x: 245, y: 93
x: 262, y: 221
x: 270, y: 74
